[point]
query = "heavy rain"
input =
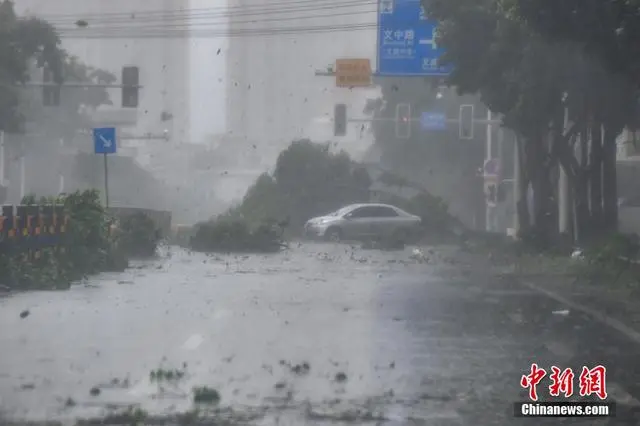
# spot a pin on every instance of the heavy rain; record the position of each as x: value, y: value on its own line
x: 295, y: 212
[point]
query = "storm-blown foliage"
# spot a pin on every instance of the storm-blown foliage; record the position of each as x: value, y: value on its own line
x: 138, y: 235
x: 93, y: 242
x: 21, y: 41
x: 88, y: 248
x: 308, y: 180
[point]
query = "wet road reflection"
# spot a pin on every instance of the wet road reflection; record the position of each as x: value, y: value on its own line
x: 321, y: 333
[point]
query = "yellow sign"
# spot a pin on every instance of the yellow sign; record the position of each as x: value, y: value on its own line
x: 353, y: 72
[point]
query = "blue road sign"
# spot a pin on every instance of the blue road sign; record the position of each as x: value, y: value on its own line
x: 104, y: 140
x: 406, y: 40
x: 433, y: 121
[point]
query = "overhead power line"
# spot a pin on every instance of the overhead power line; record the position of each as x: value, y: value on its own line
x: 192, y: 14
x: 212, y: 25
x: 221, y: 33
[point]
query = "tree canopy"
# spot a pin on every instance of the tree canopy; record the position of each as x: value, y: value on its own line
x: 534, y: 60
x: 21, y: 42
x: 608, y: 30
x: 30, y: 43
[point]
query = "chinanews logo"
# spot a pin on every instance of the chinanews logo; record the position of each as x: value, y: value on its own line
x: 592, y: 383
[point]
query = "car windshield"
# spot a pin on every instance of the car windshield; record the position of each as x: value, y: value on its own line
x: 341, y: 211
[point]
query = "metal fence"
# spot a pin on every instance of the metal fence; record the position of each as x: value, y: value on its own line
x: 28, y: 229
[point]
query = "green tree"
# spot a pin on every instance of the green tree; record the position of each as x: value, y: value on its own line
x: 21, y: 42
x: 531, y: 79
x: 608, y: 30
x: 608, y: 33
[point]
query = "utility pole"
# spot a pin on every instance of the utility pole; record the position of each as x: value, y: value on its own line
x: 61, y: 172
x: 2, y: 161
x: 22, y: 176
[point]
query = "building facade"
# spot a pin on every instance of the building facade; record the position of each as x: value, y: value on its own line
x: 130, y: 32
x: 273, y: 95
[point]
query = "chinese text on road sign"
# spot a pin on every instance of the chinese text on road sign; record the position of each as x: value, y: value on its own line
x: 353, y: 72
x: 407, y: 40
x: 433, y: 121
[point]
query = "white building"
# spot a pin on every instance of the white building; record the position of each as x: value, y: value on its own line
x: 273, y: 94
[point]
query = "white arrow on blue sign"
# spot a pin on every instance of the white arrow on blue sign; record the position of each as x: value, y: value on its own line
x: 104, y: 140
x: 433, y: 121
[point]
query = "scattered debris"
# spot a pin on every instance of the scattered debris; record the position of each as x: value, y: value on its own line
x: 94, y: 391
x: 205, y: 395
x: 299, y: 369
x: 130, y: 416
x: 24, y: 313
x: 577, y: 254
x: 419, y: 255
x: 341, y: 377
x: 168, y: 375
x: 280, y: 385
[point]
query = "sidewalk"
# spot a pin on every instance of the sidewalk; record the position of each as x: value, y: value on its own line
x: 566, y: 278
x: 618, y: 300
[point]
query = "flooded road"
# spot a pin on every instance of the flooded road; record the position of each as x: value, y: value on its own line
x: 317, y: 334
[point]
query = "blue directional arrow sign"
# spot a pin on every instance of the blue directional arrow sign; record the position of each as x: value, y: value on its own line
x: 406, y: 41
x: 433, y: 121
x: 104, y: 140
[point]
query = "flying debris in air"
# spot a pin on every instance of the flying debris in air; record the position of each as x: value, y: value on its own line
x: 82, y: 23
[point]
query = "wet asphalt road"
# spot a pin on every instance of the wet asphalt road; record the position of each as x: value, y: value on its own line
x: 387, y: 340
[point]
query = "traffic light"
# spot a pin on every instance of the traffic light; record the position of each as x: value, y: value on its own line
x: 403, y: 121
x: 130, y: 83
x: 466, y: 121
x: 340, y: 120
x: 50, y: 93
x: 492, y: 196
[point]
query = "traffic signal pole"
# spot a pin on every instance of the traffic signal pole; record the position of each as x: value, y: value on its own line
x: 2, y: 158
x: 492, y: 221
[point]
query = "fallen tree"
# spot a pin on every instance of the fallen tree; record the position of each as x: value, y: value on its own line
x: 308, y: 180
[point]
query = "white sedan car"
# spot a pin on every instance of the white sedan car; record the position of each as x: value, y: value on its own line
x: 364, y: 221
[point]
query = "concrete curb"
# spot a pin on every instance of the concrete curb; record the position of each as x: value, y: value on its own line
x: 613, y: 323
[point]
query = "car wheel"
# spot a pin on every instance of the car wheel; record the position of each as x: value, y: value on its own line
x: 333, y: 234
